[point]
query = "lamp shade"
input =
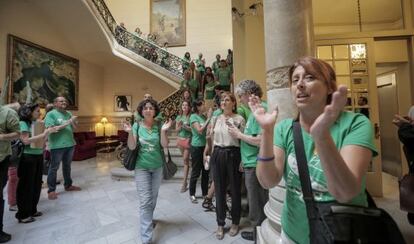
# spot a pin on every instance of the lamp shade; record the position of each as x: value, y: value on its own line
x: 104, y: 120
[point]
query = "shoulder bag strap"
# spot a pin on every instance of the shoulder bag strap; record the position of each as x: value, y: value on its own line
x: 137, y: 134
x: 311, y: 209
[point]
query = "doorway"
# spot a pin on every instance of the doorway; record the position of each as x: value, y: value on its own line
x: 387, y: 76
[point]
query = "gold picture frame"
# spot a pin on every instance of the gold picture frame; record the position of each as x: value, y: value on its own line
x: 168, y: 21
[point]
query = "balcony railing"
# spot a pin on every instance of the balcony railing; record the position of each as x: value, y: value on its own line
x: 169, y: 106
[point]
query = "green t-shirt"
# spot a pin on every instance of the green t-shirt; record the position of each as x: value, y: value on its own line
x: 244, y: 111
x: 9, y: 123
x: 63, y: 138
x: 197, y: 140
x: 209, y: 91
x: 183, y: 133
x: 192, y: 85
x: 186, y: 63
x: 149, y: 154
x: 349, y: 129
x: 215, y: 66
x: 25, y: 127
x: 248, y: 151
x: 223, y: 76
x: 200, y: 65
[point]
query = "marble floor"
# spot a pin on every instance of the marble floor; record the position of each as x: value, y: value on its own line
x: 106, y: 211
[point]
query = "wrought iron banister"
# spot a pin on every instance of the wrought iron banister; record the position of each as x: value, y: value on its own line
x: 147, y: 49
x: 170, y: 106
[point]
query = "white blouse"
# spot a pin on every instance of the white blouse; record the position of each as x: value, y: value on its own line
x: 221, y: 135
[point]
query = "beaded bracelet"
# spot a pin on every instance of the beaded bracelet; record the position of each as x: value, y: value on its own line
x: 264, y: 159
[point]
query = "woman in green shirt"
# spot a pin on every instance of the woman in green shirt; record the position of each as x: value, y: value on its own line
x: 182, y: 125
x: 30, y: 167
x: 186, y: 61
x: 148, y: 170
x: 338, y: 146
x: 209, y: 92
x: 198, y: 122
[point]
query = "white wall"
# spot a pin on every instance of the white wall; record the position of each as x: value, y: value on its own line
x: 208, y: 24
x: 124, y: 78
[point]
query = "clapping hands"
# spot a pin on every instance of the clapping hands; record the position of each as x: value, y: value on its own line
x: 266, y: 120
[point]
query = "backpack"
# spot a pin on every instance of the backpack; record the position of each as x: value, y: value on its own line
x: 17, y: 147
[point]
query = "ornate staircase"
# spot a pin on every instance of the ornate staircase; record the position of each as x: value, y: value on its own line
x: 135, y: 50
x: 154, y: 59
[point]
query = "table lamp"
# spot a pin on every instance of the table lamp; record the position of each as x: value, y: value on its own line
x: 104, y: 120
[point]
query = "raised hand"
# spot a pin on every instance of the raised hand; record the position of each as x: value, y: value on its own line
x: 266, y: 120
x: 209, y: 113
x: 167, y: 125
x: 330, y: 114
x: 127, y: 127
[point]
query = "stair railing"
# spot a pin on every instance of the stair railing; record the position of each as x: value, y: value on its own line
x: 170, y: 106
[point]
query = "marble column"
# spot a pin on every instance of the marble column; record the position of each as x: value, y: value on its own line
x: 288, y: 29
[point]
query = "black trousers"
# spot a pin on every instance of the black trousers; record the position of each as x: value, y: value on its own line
x: 225, y: 163
x: 197, y: 168
x: 30, y: 185
x: 4, y: 167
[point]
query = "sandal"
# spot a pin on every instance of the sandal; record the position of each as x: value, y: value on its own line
x: 220, y: 233
x: 207, y: 203
x: 184, y: 188
x: 234, y: 230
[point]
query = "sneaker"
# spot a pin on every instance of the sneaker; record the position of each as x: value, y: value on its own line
x: 52, y: 195
x: 13, y: 208
x: 4, y: 237
x: 248, y: 235
x: 37, y: 214
x: 193, y: 199
x: 27, y: 220
x: 72, y: 188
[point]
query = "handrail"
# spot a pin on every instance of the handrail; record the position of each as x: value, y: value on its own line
x: 140, y: 46
x: 169, y: 106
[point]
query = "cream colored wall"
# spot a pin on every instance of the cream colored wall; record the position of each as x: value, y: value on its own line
x: 391, y: 51
x: 43, y: 32
x: 208, y: 25
x: 123, y: 78
x: 395, y: 53
x: 248, y: 42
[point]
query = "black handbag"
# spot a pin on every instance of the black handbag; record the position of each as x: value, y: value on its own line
x: 130, y: 159
x: 17, y: 148
x: 169, y: 168
x: 332, y: 222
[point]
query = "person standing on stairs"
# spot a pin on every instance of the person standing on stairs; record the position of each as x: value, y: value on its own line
x: 184, y: 137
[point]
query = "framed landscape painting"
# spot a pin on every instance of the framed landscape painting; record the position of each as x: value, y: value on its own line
x: 167, y: 21
x: 50, y: 73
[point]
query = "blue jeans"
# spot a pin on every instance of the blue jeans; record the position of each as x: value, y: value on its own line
x: 148, y: 183
x: 56, y: 155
